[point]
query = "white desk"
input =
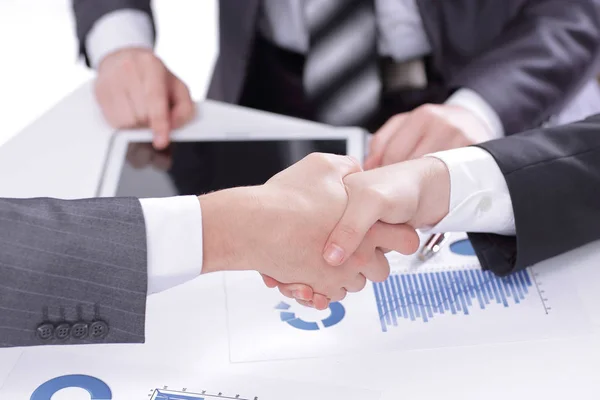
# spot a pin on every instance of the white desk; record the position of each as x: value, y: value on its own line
x: 62, y: 154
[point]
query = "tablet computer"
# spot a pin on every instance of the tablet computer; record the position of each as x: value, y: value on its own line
x: 199, y: 162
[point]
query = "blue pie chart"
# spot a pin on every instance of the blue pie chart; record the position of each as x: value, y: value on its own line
x: 97, y: 389
x: 337, y: 314
x: 462, y: 248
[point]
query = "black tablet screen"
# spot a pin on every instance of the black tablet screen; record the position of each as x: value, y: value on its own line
x: 200, y: 167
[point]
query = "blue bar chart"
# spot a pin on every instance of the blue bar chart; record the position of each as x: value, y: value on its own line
x: 419, y: 297
x: 168, y: 395
x: 160, y: 394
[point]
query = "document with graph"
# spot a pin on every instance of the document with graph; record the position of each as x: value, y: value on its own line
x: 448, y: 301
x: 73, y: 377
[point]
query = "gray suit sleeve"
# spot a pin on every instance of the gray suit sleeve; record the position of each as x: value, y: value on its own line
x: 72, y: 271
x: 87, y: 12
x: 553, y: 176
x: 544, y: 56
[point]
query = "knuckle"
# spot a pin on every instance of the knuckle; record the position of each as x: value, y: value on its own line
x: 339, y: 296
x: 331, y: 161
x: 127, y: 65
x: 343, y: 294
x: 187, y: 108
x: 412, y: 243
x: 121, y: 120
x: 185, y: 90
x: 382, y: 271
x: 397, y: 117
x: 361, y: 260
x: 326, y: 162
x: 354, y: 162
x: 315, y: 157
x: 376, y: 197
x: 427, y: 109
x: 347, y: 231
x: 362, y: 283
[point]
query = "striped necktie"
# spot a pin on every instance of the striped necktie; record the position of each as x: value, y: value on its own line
x: 341, y: 74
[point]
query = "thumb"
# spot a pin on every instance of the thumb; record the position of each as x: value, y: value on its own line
x: 350, y: 231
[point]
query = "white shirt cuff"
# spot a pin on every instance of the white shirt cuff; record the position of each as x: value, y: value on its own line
x: 472, y: 101
x: 118, y: 30
x: 479, y: 198
x: 174, y: 241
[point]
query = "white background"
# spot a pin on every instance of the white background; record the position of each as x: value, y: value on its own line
x: 39, y: 63
x: 25, y: 380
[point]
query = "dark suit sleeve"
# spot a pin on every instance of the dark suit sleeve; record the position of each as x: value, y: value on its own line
x: 538, y: 63
x: 72, y: 272
x: 553, y: 176
x: 87, y: 12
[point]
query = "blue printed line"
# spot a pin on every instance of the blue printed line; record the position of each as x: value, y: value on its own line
x: 422, y: 296
x: 380, y: 311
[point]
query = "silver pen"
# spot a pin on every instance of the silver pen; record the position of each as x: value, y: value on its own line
x: 432, y: 246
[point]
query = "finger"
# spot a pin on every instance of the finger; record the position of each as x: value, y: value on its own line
x: 297, y: 291
x: 269, y: 282
x: 157, y: 99
x: 431, y: 142
x: 406, y: 139
x: 286, y: 292
x: 306, y: 303
x: 378, y: 269
x: 182, y: 106
x: 136, y: 94
x: 320, y: 302
x: 117, y: 109
x: 357, y: 284
x: 381, y: 139
x: 342, y: 165
x: 360, y: 215
x: 398, y: 237
x: 339, y: 295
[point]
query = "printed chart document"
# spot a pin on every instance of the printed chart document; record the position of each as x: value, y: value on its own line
x: 448, y: 301
x: 8, y: 359
x: 73, y: 377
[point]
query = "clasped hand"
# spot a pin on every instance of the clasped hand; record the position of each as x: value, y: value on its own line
x: 349, y: 219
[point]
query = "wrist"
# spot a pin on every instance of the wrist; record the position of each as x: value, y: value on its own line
x: 434, y: 191
x: 120, y: 53
x: 233, y: 222
x: 226, y: 224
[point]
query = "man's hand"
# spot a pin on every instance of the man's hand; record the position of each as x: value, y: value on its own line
x: 425, y: 130
x: 135, y: 89
x: 416, y: 193
x: 279, y: 229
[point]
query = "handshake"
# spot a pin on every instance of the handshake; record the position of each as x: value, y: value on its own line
x: 321, y: 228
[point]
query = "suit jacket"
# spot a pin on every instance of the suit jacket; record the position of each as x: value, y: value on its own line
x: 553, y: 176
x: 72, y: 272
x: 524, y: 57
